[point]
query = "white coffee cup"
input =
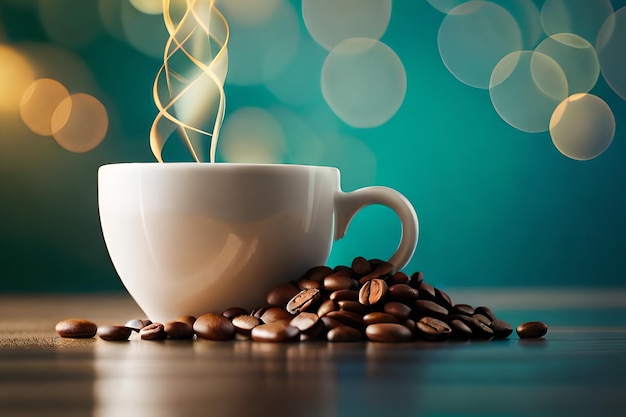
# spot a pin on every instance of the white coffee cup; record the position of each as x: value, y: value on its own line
x: 192, y: 238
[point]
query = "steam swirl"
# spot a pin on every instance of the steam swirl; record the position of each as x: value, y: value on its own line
x: 195, y: 62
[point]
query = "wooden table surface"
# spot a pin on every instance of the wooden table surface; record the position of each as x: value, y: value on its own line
x: 578, y: 369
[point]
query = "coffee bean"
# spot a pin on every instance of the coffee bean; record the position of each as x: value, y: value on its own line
x: 347, y: 318
x: 463, y: 309
x: 214, y: 327
x: 326, y: 307
x: 397, y: 309
x: 303, y: 300
x: 275, y: 332
x: 378, y: 317
x: 501, y: 329
x: 114, y: 333
x: 342, y: 269
x: 399, y: 278
x: 433, y: 329
x: 403, y: 293
x: 280, y: 295
x: 381, y: 271
x: 318, y: 273
x: 273, y: 314
x: 532, y: 330
x: 232, y: 312
x: 353, y: 306
x: 344, y: 334
x: 361, y: 266
x: 190, y: 320
x: 372, y: 292
x: 307, y: 284
x: 388, y: 332
x: 412, y: 326
x: 137, y: 324
x: 427, y: 291
x: 244, y: 324
x: 416, y: 279
x: 178, y: 330
x: 443, y: 299
x: 154, y: 331
x: 479, y: 329
x: 429, y: 308
x: 339, y: 281
x: 76, y: 328
x: 330, y: 323
x: 309, y: 325
x: 485, y: 311
x: 352, y: 295
x: 481, y: 318
x: 460, y: 330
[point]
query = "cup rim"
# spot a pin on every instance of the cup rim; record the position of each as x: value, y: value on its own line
x: 216, y: 165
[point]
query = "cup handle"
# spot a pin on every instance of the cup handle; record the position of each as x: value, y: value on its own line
x: 348, y: 204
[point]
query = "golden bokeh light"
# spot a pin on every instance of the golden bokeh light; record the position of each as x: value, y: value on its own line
x: 16, y: 74
x: 148, y: 6
x: 38, y: 104
x: 80, y: 122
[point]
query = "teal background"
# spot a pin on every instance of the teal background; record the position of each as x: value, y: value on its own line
x: 497, y: 207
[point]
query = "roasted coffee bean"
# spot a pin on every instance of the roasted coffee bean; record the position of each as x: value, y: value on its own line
x: 353, y: 306
x: 280, y: 295
x: 307, y: 284
x: 429, y: 308
x: 378, y: 317
x: 137, y: 324
x: 532, y: 330
x: 309, y: 325
x: 485, y: 311
x: 373, y: 292
x: 233, y: 312
x: 463, y: 309
x: 433, y: 329
x: 399, y: 278
x: 479, y: 329
x: 412, y: 326
x: 275, y: 332
x: 214, y: 327
x: 326, y: 307
x: 178, y: 330
x: 352, y: 295
x: 76, y: 328
x: 397, y: 309
x: 381, y: 271
x: 501, y: 329
x: 361, y: 266
x: 344, y: 334
x: 388, y: 332
x: 481, y: 318
x: 443, y: 299
x: 273, y: 314
x: 303, y: 300
x: 318, y: 273
x: 190, y: 320
x: 427, y: 291
x: 342, y: 269
x: 416, y: 279
x: 330, y: 323
x: 154, y: 331
x: 258, y: 312
x: 244, y: 324
x: 347, y: 318
x: 460, y: 330
x: 114, y: 333
x: 403, y: 293
x: 339, y: 281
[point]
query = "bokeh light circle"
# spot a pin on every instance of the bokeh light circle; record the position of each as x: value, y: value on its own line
x: 145, y: 32
x: 611, y: 47
x: 260, y: 53
x: 252, y: 135
x: 363, y: 82
x: 16, y: 74
x: 248, y: 12
x: 80, y: 123
x: 581, y: 17
x: 525, y: 88
x: 474, y: 37
x: 147, y: 6
x: 576, y: 57
x: 445, y: 6
x: 38, y: 104
x: 332, y: 21
x: 69, y: 22
x: 582, y: 126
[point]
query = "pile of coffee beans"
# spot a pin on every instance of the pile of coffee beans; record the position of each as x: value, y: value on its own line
x: 367, y: 300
